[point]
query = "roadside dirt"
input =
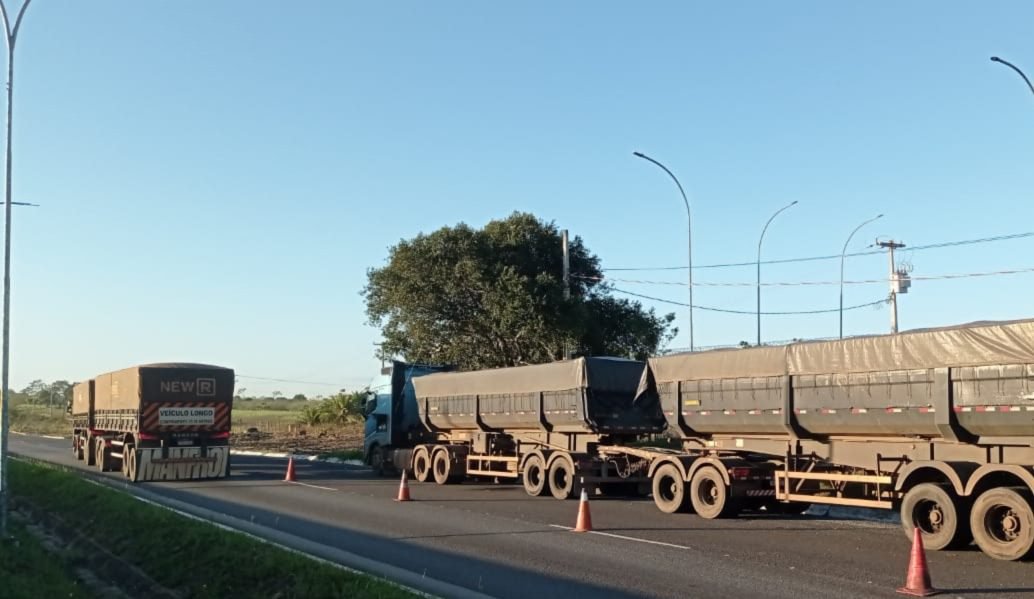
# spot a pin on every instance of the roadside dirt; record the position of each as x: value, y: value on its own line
x: 315, y: 440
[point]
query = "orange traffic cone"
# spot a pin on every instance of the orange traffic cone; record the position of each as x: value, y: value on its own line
x: 403, y: 489
x: 584, y: 523
x: 290, y: 470
x: 917, y: 583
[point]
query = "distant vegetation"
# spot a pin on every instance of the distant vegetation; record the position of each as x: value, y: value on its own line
x: 343, y: 408
x: 496, y: 296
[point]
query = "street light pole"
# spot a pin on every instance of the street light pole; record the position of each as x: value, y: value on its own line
x: 11, y: 34
x: 1015, y: 68
x: 842, y: 254
x: 770, y: 219
x: 689, y: 235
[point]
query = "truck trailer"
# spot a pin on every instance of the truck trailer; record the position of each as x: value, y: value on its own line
x: 541, y: 423
x: 937, y: 424
x: 166, y: 421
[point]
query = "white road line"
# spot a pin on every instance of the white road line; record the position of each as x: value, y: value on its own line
x: 314, y: 486
x: 623, y: 537
x: 52, y: 437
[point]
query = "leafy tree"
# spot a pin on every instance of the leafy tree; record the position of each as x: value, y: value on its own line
x: 299, y: 397
x: 495, y: 297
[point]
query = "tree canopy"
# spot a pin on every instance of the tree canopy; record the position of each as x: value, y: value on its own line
x: 493, y: 297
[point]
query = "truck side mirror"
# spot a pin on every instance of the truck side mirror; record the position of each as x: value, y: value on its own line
x: 371, y: 405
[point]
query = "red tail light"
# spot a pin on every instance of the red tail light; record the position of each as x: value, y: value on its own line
x: 740, y: 472
x: 146, y: 437
x: 225, y: 435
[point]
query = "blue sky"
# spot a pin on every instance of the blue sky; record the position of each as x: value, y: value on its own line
x: 216, y: 177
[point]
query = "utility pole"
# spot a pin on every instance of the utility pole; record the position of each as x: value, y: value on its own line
x: 896, y: 280
x: 11, y: 34
x: 567, y: 281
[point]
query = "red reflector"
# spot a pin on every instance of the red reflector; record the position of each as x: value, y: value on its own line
x: 739, y: 472
x: 146, y: 437
x: 225, y: 435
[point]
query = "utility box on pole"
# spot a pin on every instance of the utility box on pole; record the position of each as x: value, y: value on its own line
x: 899, y: 282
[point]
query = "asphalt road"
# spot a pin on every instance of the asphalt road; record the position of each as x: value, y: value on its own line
x: 498, y: 540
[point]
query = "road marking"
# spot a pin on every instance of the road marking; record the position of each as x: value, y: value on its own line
x: 52, y: 437
x: 623, y: 537
x: 314, y: 486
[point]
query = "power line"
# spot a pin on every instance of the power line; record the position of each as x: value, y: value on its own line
x: 967, y: 275
x: 750, y: 312
x: 262, y: 378
x: 836, y: 256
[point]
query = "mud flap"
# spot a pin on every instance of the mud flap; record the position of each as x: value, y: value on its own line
x: 182, y: 463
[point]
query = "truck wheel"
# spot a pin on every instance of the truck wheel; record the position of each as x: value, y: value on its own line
x: 561, y: 478
x: 377, y: 460
x: 710, y: 496
x: 534, y: 476
x: 421, y: 465
x: 442, y: 467
x: 90, y: 451
x: 669, y: 490
x: 942, y: 519
x: 102, y: 461
x: 128, y: 461
x: 1003, y: 523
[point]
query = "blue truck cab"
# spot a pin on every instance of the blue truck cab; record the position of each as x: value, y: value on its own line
x: 393, y: 425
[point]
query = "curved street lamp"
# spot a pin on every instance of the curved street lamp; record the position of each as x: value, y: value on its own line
x: 842, y: 254
x: 770, y: 219
x: 11, y: 34
x: 1015, y: 68
x: 689, y: 234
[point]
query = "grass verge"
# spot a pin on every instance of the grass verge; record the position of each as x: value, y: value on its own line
x: 40, y: 420
x: 344, y: 454
x: 193, y: 558
x: 29, y: 571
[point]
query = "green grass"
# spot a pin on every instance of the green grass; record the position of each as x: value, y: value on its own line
x: 29, y: 571
x: 344, y: 454
x: 196, y: 558
x: 40, y: 420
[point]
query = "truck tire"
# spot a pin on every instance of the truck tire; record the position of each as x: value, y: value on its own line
x: 102, y: 461
x: 421, y: 465
x: 942, y: 519
x: 535, y: 476
x: 1003, y: 523
x: 129, y: 462
x: 442, y: 467
x: 90, y: 451
x: 710, y: 496
x: 376, y: 460
x: 669, y: 490
x: 561, y: 478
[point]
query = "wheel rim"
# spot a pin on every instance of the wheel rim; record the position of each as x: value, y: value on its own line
x: 561, y: 478
x: 534, y: 473
x: 707, y: 492
x: 1003, y: 524
x: 440, y: 468
x: 667, y: 488
x: 929, y: 517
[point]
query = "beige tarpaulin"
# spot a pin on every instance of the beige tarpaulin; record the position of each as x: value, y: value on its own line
x: 973, y: 344
x: 612, y: 374
x: 967, y: 345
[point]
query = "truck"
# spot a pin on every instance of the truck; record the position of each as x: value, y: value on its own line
x: 935, y: 424
x: 163, y: 421
x: 540, y: 423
